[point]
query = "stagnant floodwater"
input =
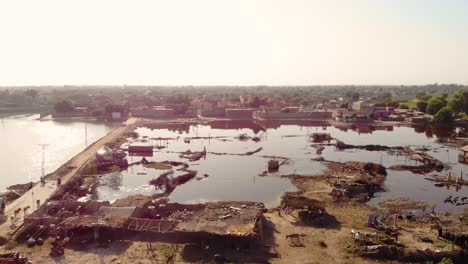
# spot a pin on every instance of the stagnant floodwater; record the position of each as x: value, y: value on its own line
x: 21, y: 152
x: 236, y: 177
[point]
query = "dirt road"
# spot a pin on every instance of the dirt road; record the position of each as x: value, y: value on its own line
x: 43, y: 193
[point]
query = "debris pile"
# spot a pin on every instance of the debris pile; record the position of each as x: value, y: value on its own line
x: 341, y: 146
x: 193, y: 156
x: 428, y: 162
x: 167, y: 182
x: 356, y: 180
x: 321, y: 137
x: 245, y: 137
x: 448, y: 180
x: 273, y: 165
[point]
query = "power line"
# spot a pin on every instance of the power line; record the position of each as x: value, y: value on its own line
x: 86, y: 134
x: 43, y: 173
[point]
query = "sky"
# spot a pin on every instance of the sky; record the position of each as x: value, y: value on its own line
x: 238, y: 42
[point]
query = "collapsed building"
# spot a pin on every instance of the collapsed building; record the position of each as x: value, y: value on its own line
x: 228, y: 223
x: 107, y: 157
x: 356, y: 180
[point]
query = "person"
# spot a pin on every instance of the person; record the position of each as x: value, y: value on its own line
x: 59, y: 181
x: 2, y: 206
x: 357, y: 237
x: 42, y: 181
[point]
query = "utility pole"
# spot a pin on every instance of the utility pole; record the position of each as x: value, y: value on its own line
x: 43, y: 173
x: 86, y: 134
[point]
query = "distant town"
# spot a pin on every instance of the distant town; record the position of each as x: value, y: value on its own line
x: 436, y: 103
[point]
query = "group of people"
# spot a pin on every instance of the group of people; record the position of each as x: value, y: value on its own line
x: 59, y: 181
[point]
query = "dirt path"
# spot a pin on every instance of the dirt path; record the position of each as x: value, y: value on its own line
x: 320, y: 244
x: 43, y: 193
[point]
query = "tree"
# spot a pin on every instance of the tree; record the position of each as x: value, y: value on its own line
x: 385, y: 95
x: 443, y: 116
x: 112, y: 108
x: 256, y: 102
x: 434, y: 105
x: 63, y: 106
x: 423, y: 96
x: 31, y: 93
x: 181, y: 102
x: 459, y: 102
x: 391, y: 102
x: 353, y: 95
x: 421, y: 106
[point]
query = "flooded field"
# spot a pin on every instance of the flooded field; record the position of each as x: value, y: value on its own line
x: 227, y: 173
x: 20, y: 139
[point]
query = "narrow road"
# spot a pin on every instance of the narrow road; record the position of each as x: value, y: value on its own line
x: 43, y: 193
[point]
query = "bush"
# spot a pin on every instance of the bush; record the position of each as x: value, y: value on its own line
x: 421, y: 106
x: 443, y: 116
x: 403, y: 106
x: 459, y: 102
x: 434, y: 105
x: 64, y: 106
x: 390, y: 102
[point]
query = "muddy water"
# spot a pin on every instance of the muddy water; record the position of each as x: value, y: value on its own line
x: 21, y: 154
x: 235, y: 177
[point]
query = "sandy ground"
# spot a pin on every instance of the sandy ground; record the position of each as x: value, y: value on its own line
x: 43, y: 193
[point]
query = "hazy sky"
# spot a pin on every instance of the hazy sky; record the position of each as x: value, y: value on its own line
x: 238, y: 42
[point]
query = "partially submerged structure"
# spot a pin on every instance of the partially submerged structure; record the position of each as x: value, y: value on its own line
x: 463, y: 154
x: 356, y: 180
x: 232, y: 223
x: 107, y: 157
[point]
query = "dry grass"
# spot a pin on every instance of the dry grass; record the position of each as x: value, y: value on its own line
x: 158, y: 166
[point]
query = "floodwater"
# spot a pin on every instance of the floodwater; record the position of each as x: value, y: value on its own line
x: 21, y: 152
x: 236, y: 177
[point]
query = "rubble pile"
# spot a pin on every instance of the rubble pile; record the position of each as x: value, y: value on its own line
x: 356, y: 180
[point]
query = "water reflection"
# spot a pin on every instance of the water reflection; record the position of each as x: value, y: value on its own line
x: 235, y: 177
x: 21, y: 154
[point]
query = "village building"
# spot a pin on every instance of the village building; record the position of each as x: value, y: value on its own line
x: 463, y: 154
x: 292, y: 112
x: 239, y: 113
x: 382, y: 112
